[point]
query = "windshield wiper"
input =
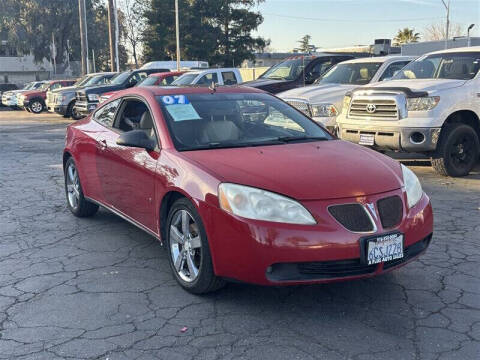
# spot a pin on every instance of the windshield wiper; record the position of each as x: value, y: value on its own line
x: 288, y: 139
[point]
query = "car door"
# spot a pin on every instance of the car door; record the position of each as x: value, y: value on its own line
x: 130, y: 172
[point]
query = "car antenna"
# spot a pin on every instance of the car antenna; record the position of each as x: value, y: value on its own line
x: 213, y: 87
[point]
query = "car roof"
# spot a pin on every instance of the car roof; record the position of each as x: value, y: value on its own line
x: 455, y: 50
x: 380, y: 59
x: 168, y: 73
x: 175, y: 90
x: 201, y: 71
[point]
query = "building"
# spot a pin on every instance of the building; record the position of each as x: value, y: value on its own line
x: 420, y: 48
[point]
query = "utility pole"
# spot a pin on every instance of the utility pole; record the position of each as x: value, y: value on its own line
x: 111, y: 35
x: 447, y: 7
x: 93, y: 61
x: 83, y: 36
x: 468, y: 34
x: 177, y: 30
x: 117, y: 32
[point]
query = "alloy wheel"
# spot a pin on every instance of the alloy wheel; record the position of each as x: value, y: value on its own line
x: 37, y: 107
x: 185, y: 245
x: 73, y: 186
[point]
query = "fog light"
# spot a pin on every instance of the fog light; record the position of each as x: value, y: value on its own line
x: 417, y: 138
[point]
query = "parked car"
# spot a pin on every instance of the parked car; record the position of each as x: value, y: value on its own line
x: 239, y: 185
x: 221, y: 76
x: 289, y: 73
x: 88, y: 98
x: 62, y: 100
x: 323, y: 100
x: 7, y: 87
x: 431, y: 107
x: 34, y: 100
x: 157, y: 79
x: 9, y: 98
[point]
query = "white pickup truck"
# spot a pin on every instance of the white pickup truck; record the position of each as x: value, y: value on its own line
x: 221, y: 76
x: 432, y: 106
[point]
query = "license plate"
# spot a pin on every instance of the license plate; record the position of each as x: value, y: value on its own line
x: 367, y: 139
x: 384, y: 248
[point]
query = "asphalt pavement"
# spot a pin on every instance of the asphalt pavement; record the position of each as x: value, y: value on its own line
x: 99, y: 288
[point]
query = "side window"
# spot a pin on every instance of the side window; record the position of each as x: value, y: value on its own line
x: 134, y: 115
x: 55, y: 86
x: 168, y: 80
x: 229, y: 78
x: 317, y: 70
x: 392, y: 68
x: 106, y: 114
x: 207, y: 79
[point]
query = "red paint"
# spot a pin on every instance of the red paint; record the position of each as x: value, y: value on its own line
x: 318, y: 174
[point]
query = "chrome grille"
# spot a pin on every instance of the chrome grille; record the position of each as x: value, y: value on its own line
x: 374, y: 108
x: 301, y: 106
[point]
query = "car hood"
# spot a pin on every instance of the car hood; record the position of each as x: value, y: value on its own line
x: 65, y: 89
x: 263, y: 82
x: 422, y: 84
x: 331, y: 93
x: 304, y: 171
x: 102, y: 89
x: 34, y: 92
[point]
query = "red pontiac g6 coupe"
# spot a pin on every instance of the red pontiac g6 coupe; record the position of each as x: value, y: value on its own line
x: 240, y: 185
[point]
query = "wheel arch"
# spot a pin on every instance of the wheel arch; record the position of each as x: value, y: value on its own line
x: 66, y: 155
x: 165, y: 205
x: 467, y: 117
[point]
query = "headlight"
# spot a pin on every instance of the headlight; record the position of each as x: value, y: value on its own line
x: 422, y: 103
x: 92, y: 97
x: 412, y: 187
x: 346, y: 102
x: 324, y: 110
x: 104, y: 98
x: 258, y: 204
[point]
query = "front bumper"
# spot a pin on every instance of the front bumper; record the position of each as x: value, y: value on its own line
x: 328, y: 122
x: 267, y: 253
x: 9, y: 101
x: 59, y: 109
x: 84, y: 108
x: 410, y: 139
x: 23, y: 104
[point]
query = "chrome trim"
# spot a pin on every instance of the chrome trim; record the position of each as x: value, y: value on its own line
x: 375, y: 229
x: 370, y: 95
x: 125, y: 217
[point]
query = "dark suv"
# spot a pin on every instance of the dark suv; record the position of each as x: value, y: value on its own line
x: 88, y: 98
x: 289, y: 73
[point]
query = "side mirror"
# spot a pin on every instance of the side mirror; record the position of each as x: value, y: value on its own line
x: 136, y: 138
x: 311, y: 77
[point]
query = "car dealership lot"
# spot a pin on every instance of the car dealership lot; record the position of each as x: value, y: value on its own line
x: 100, y: 288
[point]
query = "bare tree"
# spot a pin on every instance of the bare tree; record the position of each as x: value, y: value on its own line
x: 134, y: 25
x: 435, y: 32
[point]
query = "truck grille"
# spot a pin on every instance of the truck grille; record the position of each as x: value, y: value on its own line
x: 81, y: 96
x: 377, y: 108
x: 301, y: 106
x: 353, y: 217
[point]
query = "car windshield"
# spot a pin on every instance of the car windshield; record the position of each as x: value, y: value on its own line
x: 28, y: 86
x: 94, y: 80
x: 185, y: 79
x: 120, y: 78
x: 45, y: 86
x: 459, y: 66
x: 287, y: 70
x: 148, y: 81
x: 82, y: 80
x: 206, y: 121
x: 38, y: 85
x: 351, y: 73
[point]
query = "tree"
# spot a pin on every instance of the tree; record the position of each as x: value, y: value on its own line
x: 134, y: 23
x: 218, y: 31
x: 304, y: 44
x: 406, y: 36
x: 436, y: 32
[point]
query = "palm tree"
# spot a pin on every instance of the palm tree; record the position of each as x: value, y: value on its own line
x: 406, y: 36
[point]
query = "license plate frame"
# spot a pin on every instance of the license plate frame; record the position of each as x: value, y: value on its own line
x: 394, y: 239
x: 367, y: 139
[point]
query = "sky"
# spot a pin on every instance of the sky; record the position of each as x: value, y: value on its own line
x: 338, y: 23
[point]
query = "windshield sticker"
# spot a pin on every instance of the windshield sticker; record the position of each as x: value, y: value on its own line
x: 175, y: 99
x: 182, y: 112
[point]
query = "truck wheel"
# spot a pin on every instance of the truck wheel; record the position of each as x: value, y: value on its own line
x: 75, y: 115
x: 69, y: 111
x: 36, y: 106
x: 457, y: 150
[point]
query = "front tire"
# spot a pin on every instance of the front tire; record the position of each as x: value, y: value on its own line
x: 189, y: 252
x: 457, y: 151
x: 69, y: 111
x: 76, y: 202
x: 36, y: 106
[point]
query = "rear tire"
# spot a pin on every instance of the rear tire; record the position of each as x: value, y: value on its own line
x: 188, y: 249
x: 457, y: 151
x: 76, y: 202
x: 75, y: 116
